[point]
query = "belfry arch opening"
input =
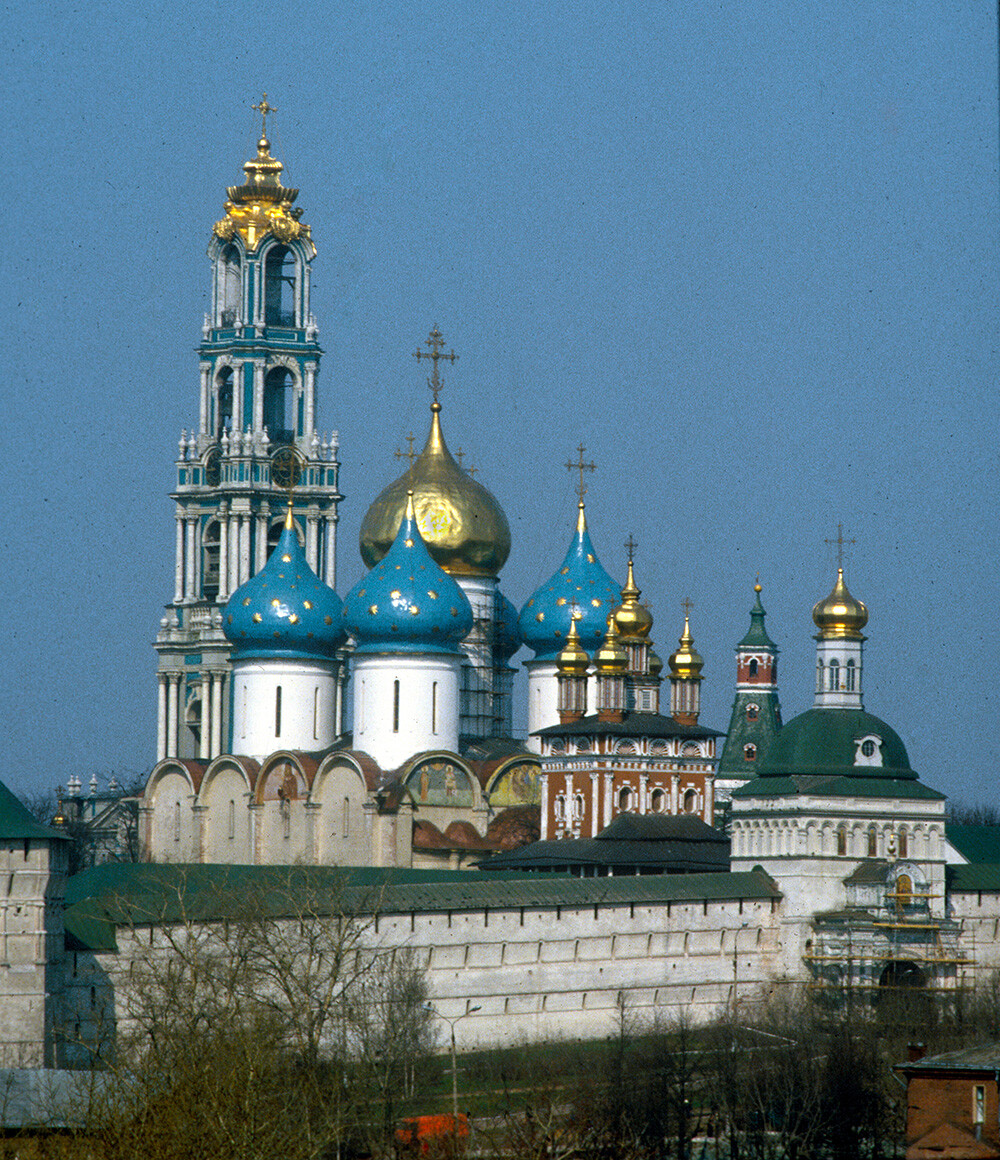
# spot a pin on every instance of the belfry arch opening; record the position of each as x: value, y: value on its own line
x: 279, y: 287
x: 223, y: 401
x: 278, y: 405
x: 210, y: 546
x: 230, y: 286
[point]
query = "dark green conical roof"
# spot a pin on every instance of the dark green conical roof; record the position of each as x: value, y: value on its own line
x: 17, y: 822
x: 756, y: 636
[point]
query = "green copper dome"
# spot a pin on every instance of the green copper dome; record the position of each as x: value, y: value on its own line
x: 756, y: 636
x: 830, y: 743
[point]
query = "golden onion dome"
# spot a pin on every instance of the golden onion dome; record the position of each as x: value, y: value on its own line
x: 262, y: 206
x: 632, y: 619
x: 840, y: 616
x: 610, y: 657
x: 686, y: 663
x: 655, y: 664
x: 461, y: 523
x: 572, y: 659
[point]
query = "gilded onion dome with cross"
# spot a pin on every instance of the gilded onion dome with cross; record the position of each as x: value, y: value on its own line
x: 462, y: 524
x: 407, y: 602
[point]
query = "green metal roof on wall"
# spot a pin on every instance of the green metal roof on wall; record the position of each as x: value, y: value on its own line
x: 975, y: 843
x: 17, y: 822
x: 974, y: 877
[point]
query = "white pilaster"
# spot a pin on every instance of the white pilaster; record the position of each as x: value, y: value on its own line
x: 189, y: 562
x: 258, y: 394
x: 206, y: 371
x: 260, y: 546
x: 218, y: 679
x: 179, y: 561
x: 234, y: 552
x: 330, y: 551
x: 173, y: 689
x: 223, y: 555
x: 206, y: 717
x: 161, y: 717
x: 311, y: 540
x: 309, y: 372
x: 244, y: 549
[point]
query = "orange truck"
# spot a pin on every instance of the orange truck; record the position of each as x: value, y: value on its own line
x: 430, y: 1135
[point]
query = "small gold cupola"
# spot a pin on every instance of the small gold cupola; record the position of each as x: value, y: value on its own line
x: 262, y: 206
x: 686, y: 663
x: 840, y: 616
x: 632, y: 619
x: 685, y: 676
x: 573, y: 659
x: 571, y: 674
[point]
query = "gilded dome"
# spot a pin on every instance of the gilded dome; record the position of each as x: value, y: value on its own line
x: 840, y: 616
x: 686, y: 663
x: 463, y: 526
x: 611, y: 658
x: 572, y: 658
x: 632, y: 619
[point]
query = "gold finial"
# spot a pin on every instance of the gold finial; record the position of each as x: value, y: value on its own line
x: 289, y: 517
x: 581, y: 467
x: 409, y: 454
x: 435, y: 340
x: 757, y: 585
x: 411, y: 511
x: 840, y: 542
x: 687, y: 604
x: 630, y: 547
x: 264, y: 109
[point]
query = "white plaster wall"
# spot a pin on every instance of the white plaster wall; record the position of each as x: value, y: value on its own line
x: 225, y: 820
x: 543, y: 700
x: 343, y: 831
x: 308, y: 705
x: 427, y: 720
x: 171, y: 819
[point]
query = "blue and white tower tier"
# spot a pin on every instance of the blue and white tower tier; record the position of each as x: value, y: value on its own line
x: 284, y: 625
x: 407, y: 618
x: 255, y: 435
x: 581, y: 583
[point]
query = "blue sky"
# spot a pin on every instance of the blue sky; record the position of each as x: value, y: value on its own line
x: 747, y: 254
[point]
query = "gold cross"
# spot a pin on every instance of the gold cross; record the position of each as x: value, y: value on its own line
x: 435, y: 340
x: 409, y: 453
x: 472, y: 470
x: 460, y: 455
x: 687, y: 604
x: 840, y: 542
x: 574, y: 611
x: 581, y: 487
x: 264, y: 109
x: 630, y: 547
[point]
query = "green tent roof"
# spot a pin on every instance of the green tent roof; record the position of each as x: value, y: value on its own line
x: 17, y: 822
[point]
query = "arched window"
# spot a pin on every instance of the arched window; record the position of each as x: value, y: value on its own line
x: 903, y: 844
x: 820, y: 677
x: 753, y: 667
x: 578, y: 808
x: 850, y: 675
x: 210, y: 559
x: 753, y: 712
x: 690, y: 801
x: 872, y: 842
x: 560, y: 807
x: 658, y: 801
x: 230, y: 286
x: 904, y: 890
x: 232, y: 819
x: 624, y: 797
x: 842, y: 841
x: 224, y: 401
x: 279, y: 287
x: 346, y: 819
x: 749, y: 752
x: 278, y: 417
x: 395, y: 706
x: 834, y: 670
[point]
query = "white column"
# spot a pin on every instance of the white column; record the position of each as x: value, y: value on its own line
x: 179, y: 561
x: 544, y: 835
x: 674, y: 786
x: 311, y: 543
x: 260, y: 548
x: 310, y: 392
x: 234, y: 552
x: 206, y: 370
x: 594, y: 803
x: 206, y: 717
x: 223, y: 553
x: 609, y: 781
x: 244, y: 549
x: 643, y: 791
x: 330, y: 551
x: 258, y: 395
x: 709, y: 800
x: 189, y: 562
x: 173, y: 689
x: 161, y: 717
x: 217, y: 683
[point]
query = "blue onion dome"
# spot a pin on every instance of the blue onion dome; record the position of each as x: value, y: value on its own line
x: 285, y: 610
x: 506, y: 638
x: 407, y: 602
x: 581, y: 580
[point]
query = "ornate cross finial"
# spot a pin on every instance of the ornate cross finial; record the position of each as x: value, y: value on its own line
x: 840, y: 542
x: 286, y: 470
x: 630, y: 547
x: 471, y: 470
x: 409, y: 454
x: 460, y: 455
x: 264, y: 109
x: 579, y: 465
x: 687, y: 604
x: 435, y: 340
x: 574, y: 611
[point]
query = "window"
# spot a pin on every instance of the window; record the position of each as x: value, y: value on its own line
x: 834, y: 672
x: 658, y: 801
x: 279, y: 287
x: 346, y: 827
x: 395, y: 706
x: 979, y: 1105
x: 316, y: 713
x: 578, y: 809
x: 434, y: 707
x: 560, y: 807
x: 232, y: 819
x: 868, y: 748
x: 904, y: 847
x: 224, y: 405
x: 872, y: 843
x: 841, y: 842
x: 850, y: 675
x: 690, y: 801
x: 904, y: 890
x: 753, y: 712
x: 624, y: 797
x: 749, y: 752
x: 277, y: 711
x: 177, y: 821
x: 229, y: 286
x: 210, y: 545
x: 753, y: 667
x: 278, y: 405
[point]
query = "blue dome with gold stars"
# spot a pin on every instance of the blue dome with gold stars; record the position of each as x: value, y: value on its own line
x: 407, y: 603
x: 581, y: 580
x: 285, y: 610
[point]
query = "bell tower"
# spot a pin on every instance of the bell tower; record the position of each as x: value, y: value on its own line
x: 255, y: 443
